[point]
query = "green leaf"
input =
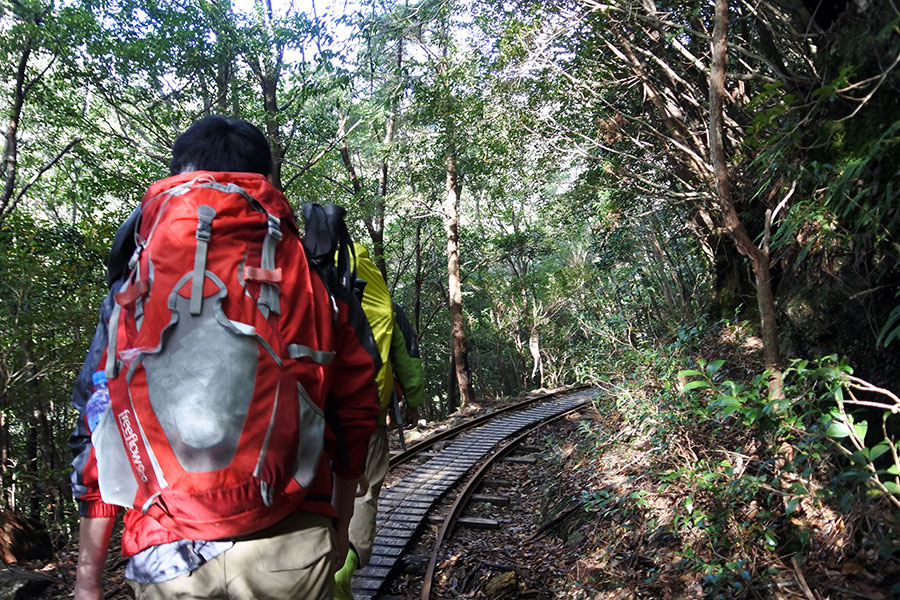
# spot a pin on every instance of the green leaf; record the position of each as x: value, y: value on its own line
x: 689, y: 504
x: 892, y: 487
x: 891, y: 328
x: 839, y: 393
x: 860, y: 429
x: 697, y: 383
x: 728, y: 404
x: 837, y: 430
x: 878, y: 450
x: 893, y: 470
x: 792, y: 506
x: 714, y: 366
x: 690, y: 373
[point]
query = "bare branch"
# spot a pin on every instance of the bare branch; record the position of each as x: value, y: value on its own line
x: 43, y: 170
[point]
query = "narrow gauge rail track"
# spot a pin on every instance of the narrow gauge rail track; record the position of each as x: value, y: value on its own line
x: 468, y: 490
x: 403, y: 507
x: 423, y: 445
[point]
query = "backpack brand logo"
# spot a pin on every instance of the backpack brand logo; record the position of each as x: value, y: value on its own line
x: 130, y: 438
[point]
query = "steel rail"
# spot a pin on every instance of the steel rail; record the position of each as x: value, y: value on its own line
x: 414, y: 449
x: 462, y: 500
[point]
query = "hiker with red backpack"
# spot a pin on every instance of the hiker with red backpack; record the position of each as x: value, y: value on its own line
x: 228, y: 395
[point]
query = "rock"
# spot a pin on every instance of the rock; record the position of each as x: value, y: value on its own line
x: 21, y: 585
x: 22, y: 538
x: 504, y: 585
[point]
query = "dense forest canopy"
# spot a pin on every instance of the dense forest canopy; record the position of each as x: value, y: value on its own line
x: 550, y: 187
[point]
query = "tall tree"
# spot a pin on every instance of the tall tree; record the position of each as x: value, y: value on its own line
x: 758, y: 257
x: 379, y: 83
x: 632, y: 94
x: 30, y: 49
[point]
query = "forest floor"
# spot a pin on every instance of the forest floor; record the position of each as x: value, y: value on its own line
x: 600, y: 516
x: 591, y: 520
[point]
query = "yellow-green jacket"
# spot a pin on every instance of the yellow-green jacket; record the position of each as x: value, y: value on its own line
x: 398, y: 351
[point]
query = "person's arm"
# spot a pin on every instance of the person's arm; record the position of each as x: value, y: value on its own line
x: 93, y: 544
x: 407, y: 365
x: 352, y: 385
x: 97, y: 517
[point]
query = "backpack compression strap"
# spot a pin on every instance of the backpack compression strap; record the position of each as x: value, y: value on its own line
x: 268, y: 277
x: 205, y: 216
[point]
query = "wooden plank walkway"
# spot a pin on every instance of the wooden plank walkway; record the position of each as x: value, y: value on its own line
x: 402, y: 508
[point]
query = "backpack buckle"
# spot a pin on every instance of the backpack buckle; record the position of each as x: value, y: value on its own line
x: 274, y: 225
x: 205, y: 215
x: 135, y: 257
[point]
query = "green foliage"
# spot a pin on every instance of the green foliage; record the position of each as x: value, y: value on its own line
x: 815, y: 416
x: 722, y: 482
x: 51, y: 281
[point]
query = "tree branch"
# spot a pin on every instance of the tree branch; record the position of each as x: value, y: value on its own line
x: 43, y: 170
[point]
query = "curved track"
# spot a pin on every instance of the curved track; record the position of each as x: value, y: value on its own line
x: 404, y: 507
x: 422, y: 445
x: 466, y: 493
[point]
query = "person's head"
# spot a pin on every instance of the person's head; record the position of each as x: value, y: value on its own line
x: 218, y: 144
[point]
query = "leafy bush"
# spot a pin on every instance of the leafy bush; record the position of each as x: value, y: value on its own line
x: 817, y: 415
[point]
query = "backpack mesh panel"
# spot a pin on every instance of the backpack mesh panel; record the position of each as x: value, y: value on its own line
x: 201, y: 404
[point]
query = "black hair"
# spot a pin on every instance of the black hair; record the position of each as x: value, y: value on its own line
x: 216, y: 143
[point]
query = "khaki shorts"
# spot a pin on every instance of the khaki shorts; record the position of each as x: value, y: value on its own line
x: 293, y: 559
x: 365, y: 508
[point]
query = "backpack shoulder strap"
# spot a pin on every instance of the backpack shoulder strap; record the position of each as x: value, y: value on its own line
x: 325, y: 235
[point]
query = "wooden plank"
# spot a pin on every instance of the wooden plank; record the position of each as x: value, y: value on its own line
x: 373, y: 572
x: 522, y: 460
x: 529, y: 449
x: 491, y: 498
x: 478, y: 523
x: 385, y: 550
x: 380, y: 560
x: 367, y: 583
x: 497, y: 483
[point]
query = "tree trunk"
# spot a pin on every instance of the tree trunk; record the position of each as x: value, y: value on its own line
x: 10, y: 150
x: 34, y: 425
x: 417, y: 297
x: 273, y: 132
x: 452, y: 401
x: 32, y: 466
x: 729, y: 283
x: 457, y: 324
x: 682, y: 290
x: 224, y: 65
x: 5, y: 472
x: 267, y: 70
x: 759, y: 258
x: 534, y: 347
x: 344, y: 151
x: 376, y: 225
x: 662, y: 275
x: 223, y: 85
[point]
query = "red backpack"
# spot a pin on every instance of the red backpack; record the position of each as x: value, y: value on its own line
x: 217, y: 347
